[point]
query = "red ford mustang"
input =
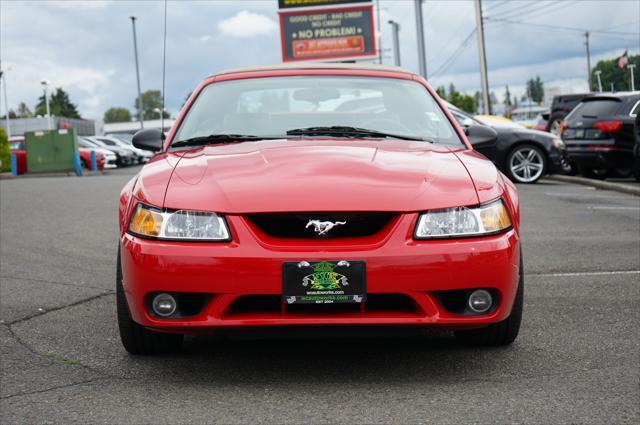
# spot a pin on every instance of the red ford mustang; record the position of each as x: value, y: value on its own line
x: 317, y: 194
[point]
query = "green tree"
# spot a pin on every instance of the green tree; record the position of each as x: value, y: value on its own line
x: 465, y: 102
x: 539, y: 89
x: 151, y: 105
x: 117, y: 115
x: 507, y: 96
x: 611, y: 73
x: 535, y: 89
x: 24, y: 111
x: 59, y: 104
x: 5, y: 153
x: 12, y: 115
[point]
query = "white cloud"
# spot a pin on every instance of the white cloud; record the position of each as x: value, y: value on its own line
x: 86, y: 86
x: 78, y: 4
x: 246, y: 24
x: 205, y: 38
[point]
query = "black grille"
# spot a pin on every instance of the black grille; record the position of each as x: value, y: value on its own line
x: 294, y: 225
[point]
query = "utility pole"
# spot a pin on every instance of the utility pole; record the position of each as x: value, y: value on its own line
x: 598, y: 72
x: 484, y: 80
x: 422, y: 58
x: 135, y: 52
x: 586, y: 43
x: 379, y: 34
x: 395, y: 27
x: 3, y: 77
x: 631, y: 67
x: 45, y: 85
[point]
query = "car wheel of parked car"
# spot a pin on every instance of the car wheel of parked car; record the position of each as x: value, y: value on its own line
x: 595, y: 173
x: 555, y: 124
x: 526, y: 164
x: 501, y: 333
x: 137, y: 339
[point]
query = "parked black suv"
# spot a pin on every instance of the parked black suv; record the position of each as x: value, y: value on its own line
x: 560, y: 108
x: 600, y: 135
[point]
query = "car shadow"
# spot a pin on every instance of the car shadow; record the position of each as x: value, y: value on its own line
x: 338, y: 357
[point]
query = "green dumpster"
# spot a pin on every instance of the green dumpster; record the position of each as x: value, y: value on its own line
x: 51, y: 150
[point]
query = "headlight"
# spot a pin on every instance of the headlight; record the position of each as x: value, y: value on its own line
x: 178, y: 225
x: 557, y: 143
x: 462, y: 221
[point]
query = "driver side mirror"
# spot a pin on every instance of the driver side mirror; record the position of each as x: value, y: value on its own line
x: 149, y: 139
x: 481, y: 136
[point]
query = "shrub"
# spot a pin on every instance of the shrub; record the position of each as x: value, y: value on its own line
x: 5, y: 153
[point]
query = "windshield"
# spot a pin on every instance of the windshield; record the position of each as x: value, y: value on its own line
x: 272, y: 106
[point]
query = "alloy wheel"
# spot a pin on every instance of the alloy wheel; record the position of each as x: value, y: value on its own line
x: 526, y: 164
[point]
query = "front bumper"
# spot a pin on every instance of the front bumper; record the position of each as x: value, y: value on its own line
x: 251, y: 265
x: 558, y: 162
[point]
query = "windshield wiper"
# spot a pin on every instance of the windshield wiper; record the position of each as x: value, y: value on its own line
x: 213, y: 139
x: 346, y: 131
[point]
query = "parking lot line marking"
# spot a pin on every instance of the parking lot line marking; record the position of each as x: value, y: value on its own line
x: 614, y: 272
x: 586, y: 195
x: 613, y: 208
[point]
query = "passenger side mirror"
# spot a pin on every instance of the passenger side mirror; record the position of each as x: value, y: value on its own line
x: 481, y: 136
x: 150, y: 139
x: 468, y: 122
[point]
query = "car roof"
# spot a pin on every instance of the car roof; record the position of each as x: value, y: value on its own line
x: 313, y: 65
x: 621, y: 95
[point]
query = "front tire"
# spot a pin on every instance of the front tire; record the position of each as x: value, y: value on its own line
x: 137, y: 339
x: 501, y: 333
x: 526, y: 163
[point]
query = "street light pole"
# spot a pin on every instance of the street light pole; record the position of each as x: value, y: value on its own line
x: 631, y: 67
x: 598, y: 72
x: 3, y: 77
x: 586, y: 43
x: 484, y: 81
x: 135, y: 53
x: 395, y: 27
x: 45, y: 85
x: 422, y: 58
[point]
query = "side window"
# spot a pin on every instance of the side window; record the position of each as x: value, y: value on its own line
x: 635, y: 109
x: 459, y: 118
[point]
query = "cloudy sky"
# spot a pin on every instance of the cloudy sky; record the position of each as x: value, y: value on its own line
x: 86, y: 46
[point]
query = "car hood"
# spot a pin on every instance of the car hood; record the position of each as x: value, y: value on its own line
x: 525, y: 132
x: 319, y: 175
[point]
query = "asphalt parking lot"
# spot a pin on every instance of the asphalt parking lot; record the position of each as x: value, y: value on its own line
x: 576, y: 360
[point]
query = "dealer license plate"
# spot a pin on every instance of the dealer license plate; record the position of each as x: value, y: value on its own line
x: 324, y: 282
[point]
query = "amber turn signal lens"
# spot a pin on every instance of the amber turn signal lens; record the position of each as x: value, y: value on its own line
x: 495, y: 217
x: 146, y: 222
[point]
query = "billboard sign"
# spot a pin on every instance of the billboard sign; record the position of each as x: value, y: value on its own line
x: 290, y: 4
x: 328, y: 34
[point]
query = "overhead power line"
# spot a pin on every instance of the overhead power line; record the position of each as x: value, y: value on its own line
x: 496, y: 5
x: 454, y: 56
x: 527, y: 8
x: 552, y: 8
x: 560, y: 27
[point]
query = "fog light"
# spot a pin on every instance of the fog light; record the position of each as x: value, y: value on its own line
x: 480, y: 301
x: 164, y: 305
